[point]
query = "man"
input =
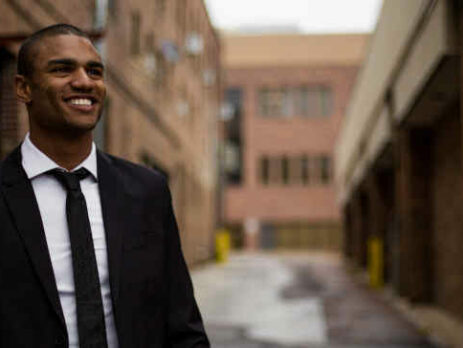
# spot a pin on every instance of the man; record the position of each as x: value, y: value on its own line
x: 89, y: 249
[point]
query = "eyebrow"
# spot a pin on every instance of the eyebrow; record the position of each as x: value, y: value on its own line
x: 66, y: 61
x: 95, y: 64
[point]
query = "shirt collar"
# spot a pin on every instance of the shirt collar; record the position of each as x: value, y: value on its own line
x: 35, y: 162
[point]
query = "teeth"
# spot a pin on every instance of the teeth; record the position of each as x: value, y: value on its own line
x: 81, y: 101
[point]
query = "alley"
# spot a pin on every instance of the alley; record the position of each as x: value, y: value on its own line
x: 295, y: 300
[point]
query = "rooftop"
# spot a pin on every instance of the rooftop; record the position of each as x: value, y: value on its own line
x: 241, y: 51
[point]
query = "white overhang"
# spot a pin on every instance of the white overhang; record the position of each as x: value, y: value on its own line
x: 413, y: 41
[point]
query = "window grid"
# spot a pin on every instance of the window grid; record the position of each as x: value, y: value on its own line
x: 299, y: 170
x: 302, y: 101
x: 135, y: 46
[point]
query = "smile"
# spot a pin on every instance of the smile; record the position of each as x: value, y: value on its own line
x: 80, y: 101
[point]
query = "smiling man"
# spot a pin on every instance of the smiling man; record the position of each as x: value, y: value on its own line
x: 89, y: 248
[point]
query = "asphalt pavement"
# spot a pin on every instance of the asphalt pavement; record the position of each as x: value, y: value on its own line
x: 283, y: 300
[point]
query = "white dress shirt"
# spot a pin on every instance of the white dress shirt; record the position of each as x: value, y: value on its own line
x: 51, y: 199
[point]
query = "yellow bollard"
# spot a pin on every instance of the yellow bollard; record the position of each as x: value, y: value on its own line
x: 222, y: 245
x: 375, y: 262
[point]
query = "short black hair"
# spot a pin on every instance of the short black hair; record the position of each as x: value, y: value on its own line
x: 25, y: 65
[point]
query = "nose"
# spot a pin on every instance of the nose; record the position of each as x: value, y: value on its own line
x: 81, y: 81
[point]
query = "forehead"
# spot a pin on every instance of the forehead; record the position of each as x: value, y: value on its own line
x: 65, y: 47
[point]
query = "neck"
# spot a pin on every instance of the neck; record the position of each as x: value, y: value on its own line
x: 67, y: 151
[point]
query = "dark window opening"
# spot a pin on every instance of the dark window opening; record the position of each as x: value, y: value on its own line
x: 301, y: 101
x: 325, y: 169
x: 285, y: 170
x: 8, y: 104
x: 135, y: 45
x: 305, y: 170
x: 233, y: 147
x: 264, y: 170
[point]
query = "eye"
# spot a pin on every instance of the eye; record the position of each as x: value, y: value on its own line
x: 61, y: 69
x: 96, y: 72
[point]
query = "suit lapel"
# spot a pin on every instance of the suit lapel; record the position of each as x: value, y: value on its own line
x: 113, y: 204
x: 20, y: 198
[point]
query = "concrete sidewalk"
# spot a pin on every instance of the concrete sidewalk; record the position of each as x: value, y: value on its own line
x: 295, y: 300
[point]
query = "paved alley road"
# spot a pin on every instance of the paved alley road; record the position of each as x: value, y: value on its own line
x: 295, y: 300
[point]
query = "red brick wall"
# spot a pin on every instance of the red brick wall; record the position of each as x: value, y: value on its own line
x: 8, y: 104
x: 292, y: 137
x: 147, y: 122
x: 448, y: 223
x: 26, y: 16
x: 142, y: 119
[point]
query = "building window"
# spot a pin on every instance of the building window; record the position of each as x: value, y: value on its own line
x: 160, y: 71
x: 319, y: 102
x: 302, y: 101
x: 326, y: 101
x: 101, y: 131
x: 264, y: 170
x: 181, y: 15
x: 274, y: 102
x: 325, y: 169
x: 275, y: 170
x: 160, y: 6
x: 295, y: 170
x: 232, y: 126
x: 149, y: 42
x: 112, y: 7
x: 304, y: 170
x: 285, y: 170
x: 135, y: 46
x: 8, y: 104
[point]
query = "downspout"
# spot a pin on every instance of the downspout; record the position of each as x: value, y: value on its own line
x: 99, y: 25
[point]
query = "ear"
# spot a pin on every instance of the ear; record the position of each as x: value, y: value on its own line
x: 23, y: 89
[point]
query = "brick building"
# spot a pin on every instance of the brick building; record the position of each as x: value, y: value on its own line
x: 162, y: 73
x: 398, y: 158
x: 286, y: 96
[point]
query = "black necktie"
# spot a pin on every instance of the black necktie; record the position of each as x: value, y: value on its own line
x: 90, y: 313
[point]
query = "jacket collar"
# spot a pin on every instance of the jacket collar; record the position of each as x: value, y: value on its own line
x: 35, y: 162
x: 19, y: 196
x: 114, y: 201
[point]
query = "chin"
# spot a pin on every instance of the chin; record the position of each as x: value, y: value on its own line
x: 83, y: 123
x: 79, y: 129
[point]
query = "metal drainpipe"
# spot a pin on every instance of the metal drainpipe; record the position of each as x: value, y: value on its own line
x: 99, y: 24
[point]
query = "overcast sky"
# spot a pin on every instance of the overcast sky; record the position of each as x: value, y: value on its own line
x: 308, y: 16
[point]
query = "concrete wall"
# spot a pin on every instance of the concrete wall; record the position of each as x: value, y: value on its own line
x: 410, y: 39
x: 398, y: 159
x: 448, y: 223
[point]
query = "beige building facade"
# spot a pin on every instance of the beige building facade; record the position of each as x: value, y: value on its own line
x: 398, y: 157
x: 163, y: 77
x: 286, y: 96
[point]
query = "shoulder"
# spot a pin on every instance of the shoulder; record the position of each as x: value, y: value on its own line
x: 136, y: 177
x: 1, y: 176
x: 11, y: 168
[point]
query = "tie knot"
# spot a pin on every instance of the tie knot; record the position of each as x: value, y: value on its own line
x: 70, y: 180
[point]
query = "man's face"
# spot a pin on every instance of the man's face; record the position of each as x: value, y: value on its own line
x: 66, y: 88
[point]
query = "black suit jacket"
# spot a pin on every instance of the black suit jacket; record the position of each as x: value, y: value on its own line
x: 152, y: 295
